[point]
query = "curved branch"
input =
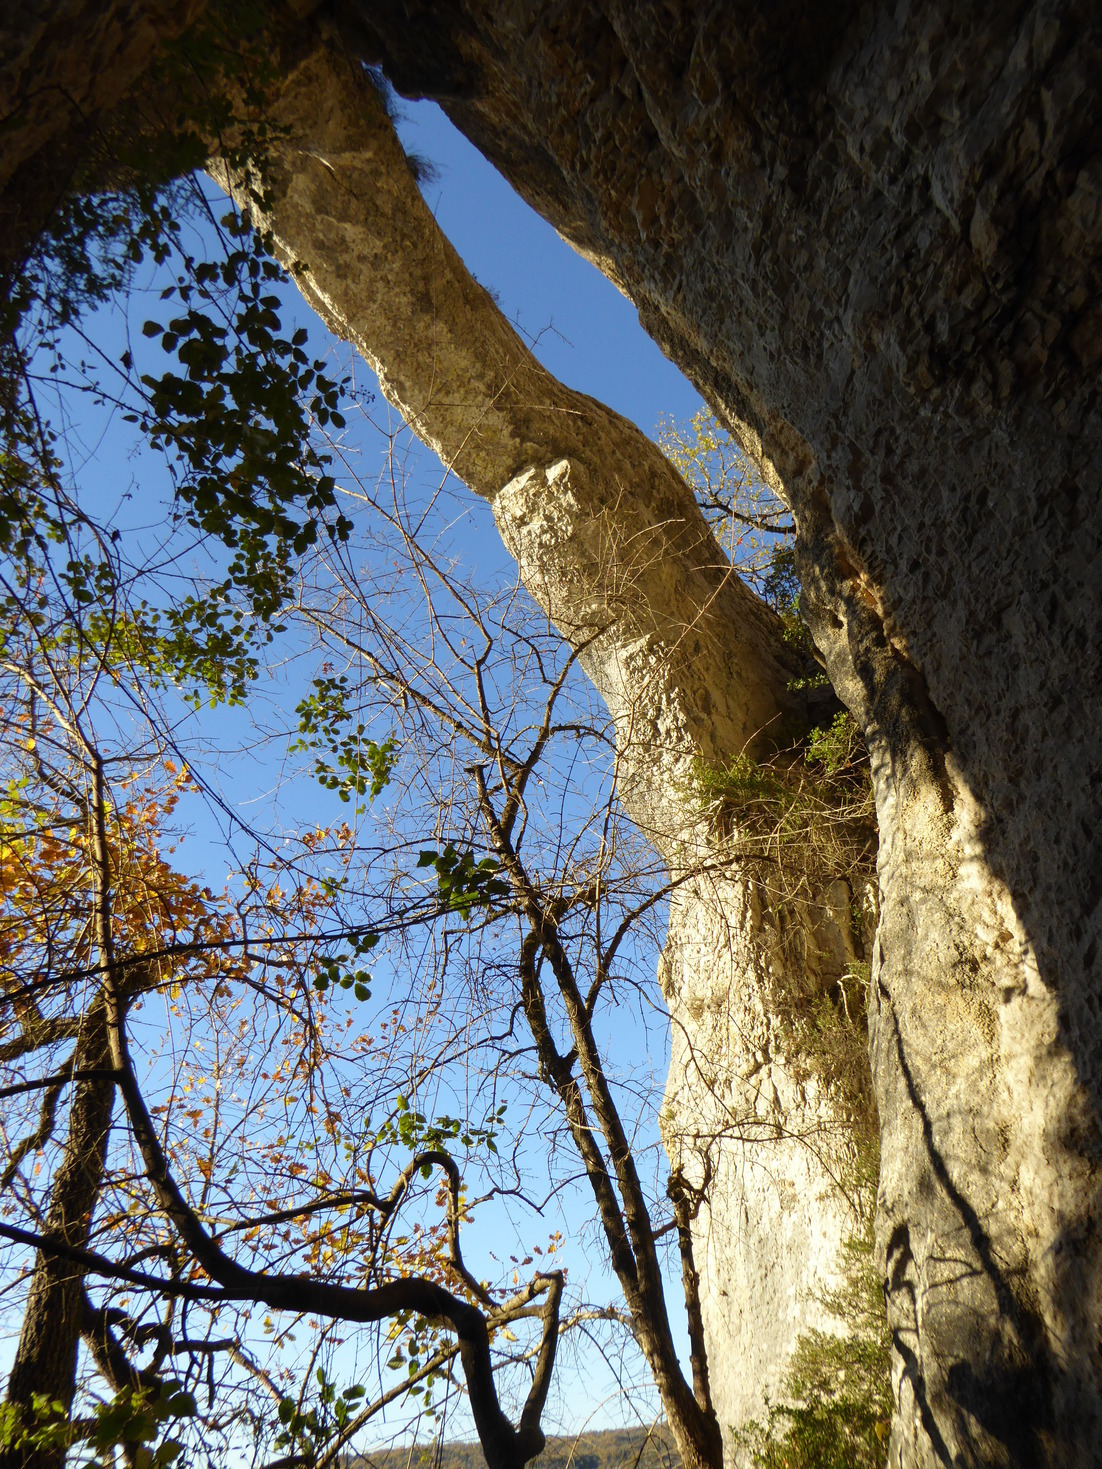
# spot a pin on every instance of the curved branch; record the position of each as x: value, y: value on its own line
x: 504, y: 1446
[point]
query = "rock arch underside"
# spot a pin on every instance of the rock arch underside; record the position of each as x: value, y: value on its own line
x: 871, y: 236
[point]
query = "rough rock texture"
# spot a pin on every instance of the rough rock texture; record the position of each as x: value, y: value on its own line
x: 872, y: 236
x: 63, y: 65
x: 610, y: 542
x: 759, y: 1132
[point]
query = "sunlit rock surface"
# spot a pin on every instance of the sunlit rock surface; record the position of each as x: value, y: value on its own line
x: 872, y: 237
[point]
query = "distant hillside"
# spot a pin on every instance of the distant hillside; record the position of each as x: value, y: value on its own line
x: 614, y: 1448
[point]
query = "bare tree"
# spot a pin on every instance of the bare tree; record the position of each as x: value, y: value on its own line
x: 594, y: 886
x: 83, y: 912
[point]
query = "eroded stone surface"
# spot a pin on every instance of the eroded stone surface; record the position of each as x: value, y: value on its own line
x: 773, y: 1153
x: 872, y: 236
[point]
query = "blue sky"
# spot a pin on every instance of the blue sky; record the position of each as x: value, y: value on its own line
x: 588, y: 333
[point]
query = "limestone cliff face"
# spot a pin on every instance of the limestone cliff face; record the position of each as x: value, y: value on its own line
x: 872, y: 237
x: 760, y: 1132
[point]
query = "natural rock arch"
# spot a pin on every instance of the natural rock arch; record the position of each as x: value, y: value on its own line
x: 693, y: 668
x: 873, y: 241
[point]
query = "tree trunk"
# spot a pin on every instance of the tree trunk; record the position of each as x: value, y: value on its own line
x: 46, y: 1358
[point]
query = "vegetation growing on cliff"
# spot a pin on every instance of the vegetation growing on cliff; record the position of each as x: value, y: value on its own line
x: 837, y: 1399
x: 805, y: 824
x: 806, y: 820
